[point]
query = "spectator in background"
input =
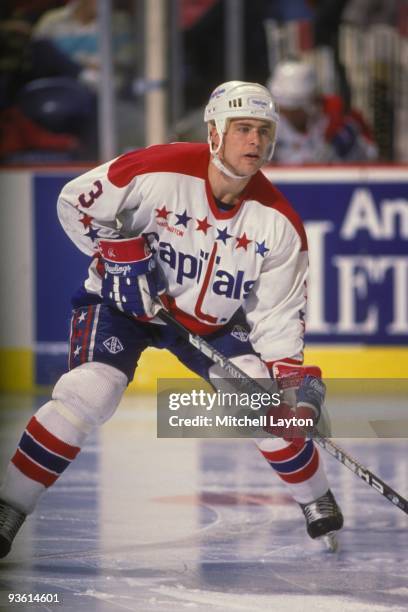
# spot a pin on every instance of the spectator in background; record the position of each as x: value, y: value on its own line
x: 314, y: 128
x: 71, y: 33
x: 20, y: 62
x: 74, y: 31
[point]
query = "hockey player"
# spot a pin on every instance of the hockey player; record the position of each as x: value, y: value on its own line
x: 228, y: 244
x: 314, y: 128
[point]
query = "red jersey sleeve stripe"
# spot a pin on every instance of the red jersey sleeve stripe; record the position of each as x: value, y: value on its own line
x: 262, y: 190
x: 181, y: 157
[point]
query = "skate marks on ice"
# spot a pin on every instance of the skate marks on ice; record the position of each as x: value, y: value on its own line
x: 143, y: 524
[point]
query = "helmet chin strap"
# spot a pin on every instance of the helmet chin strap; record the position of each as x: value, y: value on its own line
x: 218, y: 163
x: 222, y: 168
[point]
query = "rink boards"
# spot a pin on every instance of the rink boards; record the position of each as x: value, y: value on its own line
x: 357, y: 224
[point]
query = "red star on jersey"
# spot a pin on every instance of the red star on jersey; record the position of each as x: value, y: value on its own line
x: 203, y: 225
x: 243, y: 242
x: 86, y: 220
x: 162, y: 213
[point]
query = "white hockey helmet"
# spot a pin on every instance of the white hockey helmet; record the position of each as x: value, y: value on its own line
x: 293, y: 84
x: 234, y: 100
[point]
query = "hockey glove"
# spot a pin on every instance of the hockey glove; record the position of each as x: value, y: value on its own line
x: 303, y: 392
x: 132, y: 278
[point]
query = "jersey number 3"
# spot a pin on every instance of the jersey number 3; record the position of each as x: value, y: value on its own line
x: 87, y: 200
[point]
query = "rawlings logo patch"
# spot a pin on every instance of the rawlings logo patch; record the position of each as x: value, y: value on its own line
x: 117, y: 269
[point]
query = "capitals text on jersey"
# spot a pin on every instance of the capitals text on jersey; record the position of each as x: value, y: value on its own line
x: 189, y: 267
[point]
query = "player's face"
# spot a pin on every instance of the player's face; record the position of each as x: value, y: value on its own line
x: 246, y: 143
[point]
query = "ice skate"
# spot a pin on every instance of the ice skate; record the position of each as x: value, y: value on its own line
x: 10, y: 522
x: 323, y: 518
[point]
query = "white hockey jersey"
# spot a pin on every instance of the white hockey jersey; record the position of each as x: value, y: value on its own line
x: 294, y: 147
x: 254, y: 255
x: 312, y: 146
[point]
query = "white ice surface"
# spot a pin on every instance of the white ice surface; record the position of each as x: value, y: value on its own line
x: 142, y: 524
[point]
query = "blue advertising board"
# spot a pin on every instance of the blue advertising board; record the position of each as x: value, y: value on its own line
x: 358, y: 242
x: 60, y: 268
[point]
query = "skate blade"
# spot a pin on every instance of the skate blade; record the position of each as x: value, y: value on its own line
x: 330, y: 542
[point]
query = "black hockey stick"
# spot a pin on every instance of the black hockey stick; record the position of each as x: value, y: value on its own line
x: 335, y: 451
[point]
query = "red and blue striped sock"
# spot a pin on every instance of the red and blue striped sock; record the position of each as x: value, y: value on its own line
x: 298, y: 465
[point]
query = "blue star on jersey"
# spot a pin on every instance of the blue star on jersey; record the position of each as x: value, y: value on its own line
x: 92, y: 233
x: 223, y: 235
x: 261, y: 248
x: 183, y: 219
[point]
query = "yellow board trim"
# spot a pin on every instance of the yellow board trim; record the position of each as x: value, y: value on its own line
x: 16, y: 370
x: 359, y: 361
x: 17, y: 366
x: 335, y: 362
x: 154, y: 364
